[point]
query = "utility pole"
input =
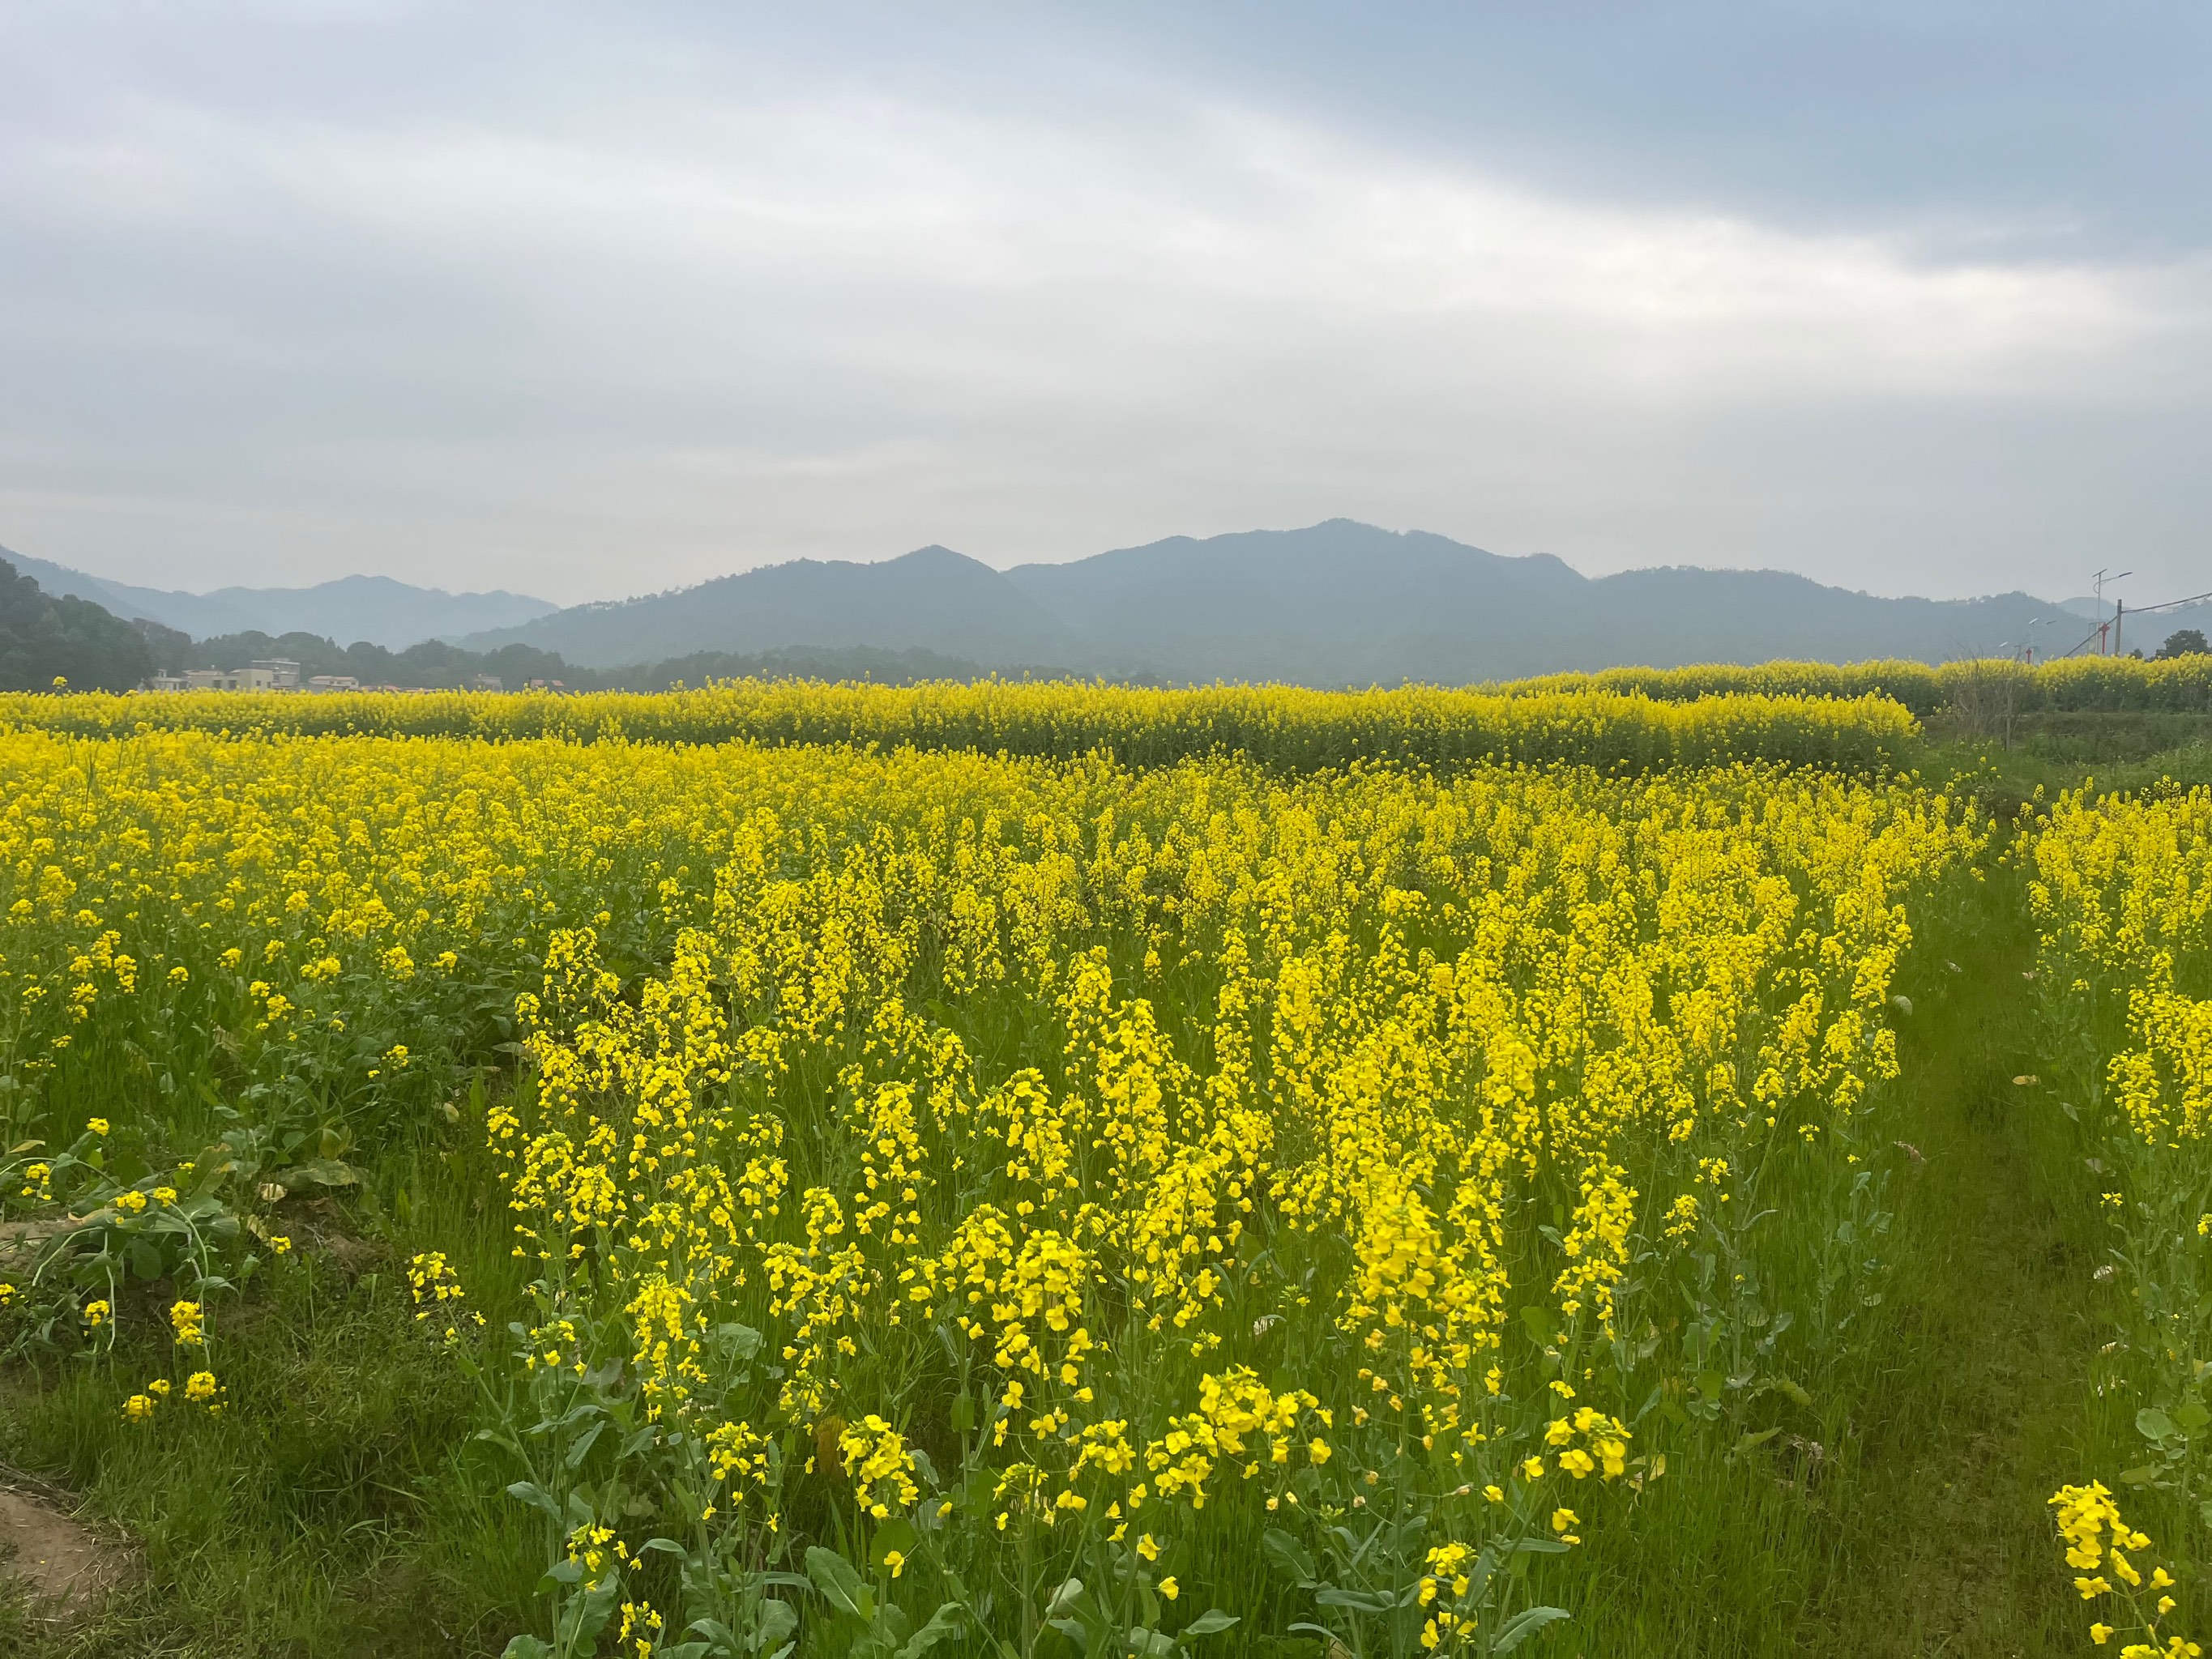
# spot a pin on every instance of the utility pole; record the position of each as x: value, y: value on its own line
x: 2098, y: 582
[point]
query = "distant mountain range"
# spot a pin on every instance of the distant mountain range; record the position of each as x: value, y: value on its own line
x: 385, y: 612
x: 1335, y: 604
x: 931, y: 599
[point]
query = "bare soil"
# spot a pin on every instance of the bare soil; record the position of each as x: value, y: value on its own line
x: 64, y: 1566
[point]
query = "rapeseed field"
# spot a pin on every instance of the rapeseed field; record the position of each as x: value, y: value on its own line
x: 1038, y: 1170
x: 2121, y: 889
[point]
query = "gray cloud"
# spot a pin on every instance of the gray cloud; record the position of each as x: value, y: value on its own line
x: 532, y: 298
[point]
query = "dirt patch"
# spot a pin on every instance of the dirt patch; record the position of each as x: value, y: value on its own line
x: 318, y: 1225
x: 65, y: 1565
x: 22, y: 1243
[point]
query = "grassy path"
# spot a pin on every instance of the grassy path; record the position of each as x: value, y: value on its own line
x: 1947, y: 1547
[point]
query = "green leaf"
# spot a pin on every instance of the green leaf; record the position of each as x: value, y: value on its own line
x: 964, y: 1413
x: 896, y: 1534
x: 582, y: 1449
x: 1292, y: 1557
x: 1753, y: 1442
x: 1150, y: 1643
x: 1208, y: 1623
x: 739, y: 1342
x: 2193, y: 1417
x: 925, y: 1468
x: 2142, y: 1475
x: 2155, y: 1425
x: 538, y: 1497
x: 587, y: 1616
x: 1524, y: 1625
x: 318, y: 1172
x: 776, y: 1622
x: 974, y: 1494
x: 1539, y: 1547
x: 840, y: 1583
x: 527, y: 1647
x: 1355, y: 1600
x: 944, y: 1622
x: 1065, y: 1599
x: 1539, y: 1320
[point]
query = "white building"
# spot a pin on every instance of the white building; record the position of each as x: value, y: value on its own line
x: 268, y: 674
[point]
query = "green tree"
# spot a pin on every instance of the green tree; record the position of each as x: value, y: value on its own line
x: 2185, y: 642
x: 42, y: 638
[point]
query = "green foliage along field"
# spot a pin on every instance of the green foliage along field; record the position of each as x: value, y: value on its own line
x: 1420, y: 725
x: 2181, y: 685
x: 43, y: 639
x: 479, y: 1189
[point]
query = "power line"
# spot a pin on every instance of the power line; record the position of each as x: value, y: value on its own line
x: 2141, y: 610
x: 2172, y: 604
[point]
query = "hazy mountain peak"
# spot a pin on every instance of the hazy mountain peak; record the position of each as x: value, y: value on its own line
x: 932, y: 598
x: 1335, y: 603
x: 380, y: 610
x: 1330, y: 604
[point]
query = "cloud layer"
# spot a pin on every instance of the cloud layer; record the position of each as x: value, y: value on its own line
x: 537, y: 302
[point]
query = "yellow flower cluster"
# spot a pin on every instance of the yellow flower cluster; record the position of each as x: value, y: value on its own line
x: 2178, y: 684
x: 2099, y: 1542
x: 201, y: 1388
x: 1082, y: 1093
x: 2122, y: 890
x: 1280, y: 726
x: 1234, y: 1414
x: 879, y: 1465
x: 1024, y: 1150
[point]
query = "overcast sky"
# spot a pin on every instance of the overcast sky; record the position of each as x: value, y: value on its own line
x: 592, y: 301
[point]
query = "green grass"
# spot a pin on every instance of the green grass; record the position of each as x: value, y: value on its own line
x: 1918, y: 1525
x: 334, y: 1507
x: 1976, y: 1417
